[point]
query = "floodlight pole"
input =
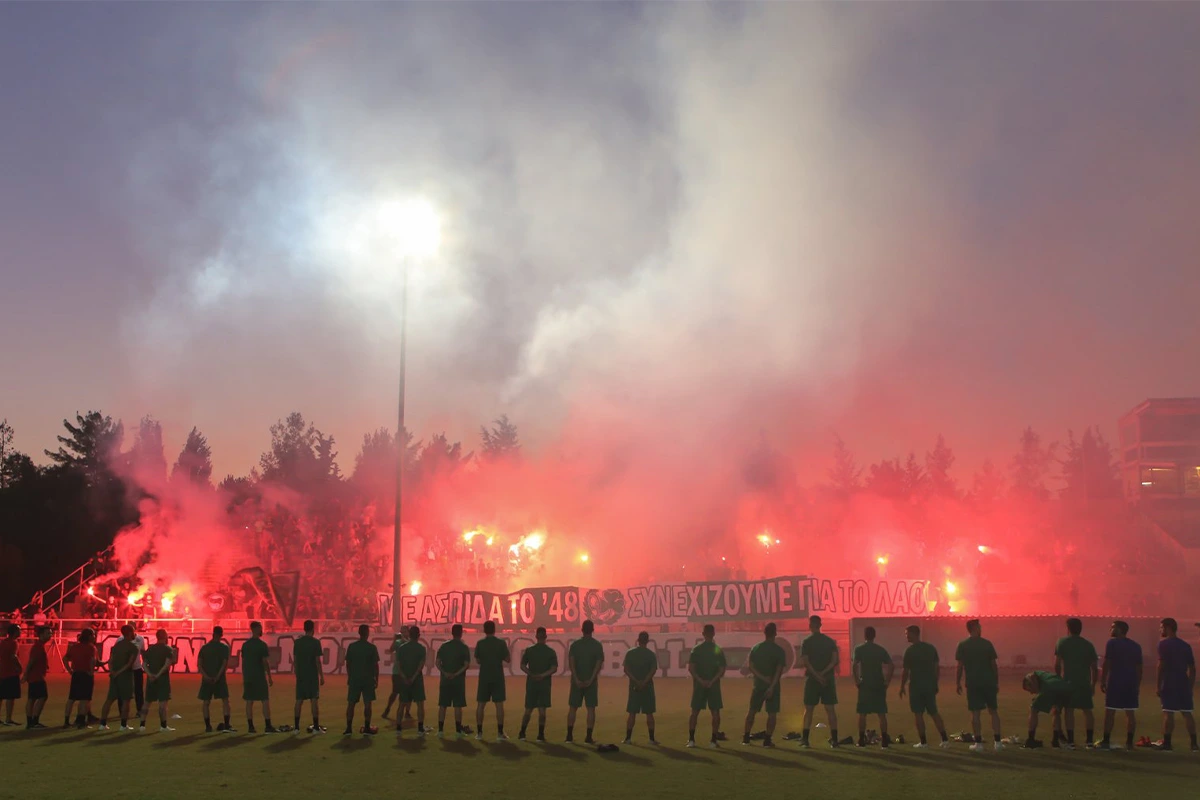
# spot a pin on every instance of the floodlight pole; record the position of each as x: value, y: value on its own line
x: 401, y: 447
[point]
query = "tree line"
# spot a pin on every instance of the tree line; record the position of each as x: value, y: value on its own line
x: 55, y: 516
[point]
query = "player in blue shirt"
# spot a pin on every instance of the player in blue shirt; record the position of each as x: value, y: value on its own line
x: 1176, y: 679
x: 1120, y: 680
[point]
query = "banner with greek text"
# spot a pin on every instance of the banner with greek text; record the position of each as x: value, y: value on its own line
x: 563, y: 607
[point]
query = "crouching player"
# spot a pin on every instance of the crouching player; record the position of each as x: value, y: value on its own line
x: 1051, y: 694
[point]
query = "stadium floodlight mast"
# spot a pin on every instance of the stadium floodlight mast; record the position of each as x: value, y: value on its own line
x: 413, y: 229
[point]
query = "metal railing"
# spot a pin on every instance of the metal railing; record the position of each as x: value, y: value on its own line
x: 73, y: 585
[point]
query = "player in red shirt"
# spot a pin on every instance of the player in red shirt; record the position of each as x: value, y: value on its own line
x: 10, y: 673
x: 35, y: 676
x: 81, y: 663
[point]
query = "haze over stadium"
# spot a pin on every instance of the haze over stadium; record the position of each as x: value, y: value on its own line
x: 684, y: 248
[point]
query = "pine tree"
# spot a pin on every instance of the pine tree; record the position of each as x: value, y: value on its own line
x: 845, y: 476
x: 938, y: 462
x: 195, y: 461
x: 501, y: 442
x: 1030, y: 467
x: 93, y: 443
x: 146, y: 455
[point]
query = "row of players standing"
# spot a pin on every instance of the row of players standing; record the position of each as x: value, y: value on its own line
x: 1071, y: 687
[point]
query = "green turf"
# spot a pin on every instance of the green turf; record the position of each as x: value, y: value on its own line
x: 190, y: 764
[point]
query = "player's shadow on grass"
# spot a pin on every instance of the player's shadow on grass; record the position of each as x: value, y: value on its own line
x: 625, y: 757
x: 110, y: 739
x: 226, y: 742
x: 847, y: 756
x: 75, y: 739
x: 938, y: 761
x: 560, y: 751
x: 178, y: 741
x: 411, y: 745
x: 459, y: 747
x: 507, y: 751
x: 760, y: 759
x: 349, y: 744
x: 675, y: 754
x: 288, y: 743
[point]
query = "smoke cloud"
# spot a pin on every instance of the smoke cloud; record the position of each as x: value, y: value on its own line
x: 669, y: 230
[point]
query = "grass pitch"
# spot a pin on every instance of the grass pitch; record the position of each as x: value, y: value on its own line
x: 190, y: 764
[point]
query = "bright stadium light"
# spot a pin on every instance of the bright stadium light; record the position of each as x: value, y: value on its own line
x: 411, y: 225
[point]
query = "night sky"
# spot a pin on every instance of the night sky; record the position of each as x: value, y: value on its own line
x: 663, y: 223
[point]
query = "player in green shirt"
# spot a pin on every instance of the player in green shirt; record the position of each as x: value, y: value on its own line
x: 1076, y: 661
x: 538, y: 663
x: 159, y: 659
x: 640, y: 665
x: 819, y: 657
x: 491, y: 654
x: 977, y: 659
x: 920, y: 677
x: 308, y: 663
x: 766, y: 663
x: 873, y: 671
x: 398, y: 639
x: 453, y: 660
x: 362, y: 679
x: 1051, y: 695
x: 586, y: 657
x: 121, y: 657
x: 706, y: 665
x: 256, y: 678
x: 213, y: 660
x: 411, y: 657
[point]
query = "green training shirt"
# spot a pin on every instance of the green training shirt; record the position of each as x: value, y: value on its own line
x: 253, y: 653
x: 306, y: 653
x: 642, y: 662
x: 978, y: 657
x: 491, y: 652
x: 921, y: 661
x: 708, y: 659
x: 871, y: 659
x: 361, y: 659
x: 588, y: 655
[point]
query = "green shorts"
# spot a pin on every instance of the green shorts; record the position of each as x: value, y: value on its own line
x: 980, y: 698
x: 758, y: 698
x: 490, y: 691
x: 872, y: 700
x: 706, y: 697
x: 589, y: 697
x: 818, y: 694
x: 256, y: 691
x: 641, y: 701
x: 360, y: 690
x: 1046, y: 701
x: 158, y: 691
x: 537, y: 693
x: 922, y: 701
x: 452, y: 693
x: 217, y: 690
x: 308, y: 687
x: 121, y: 689
x: 1081, y: 697
x: 412, y: 692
